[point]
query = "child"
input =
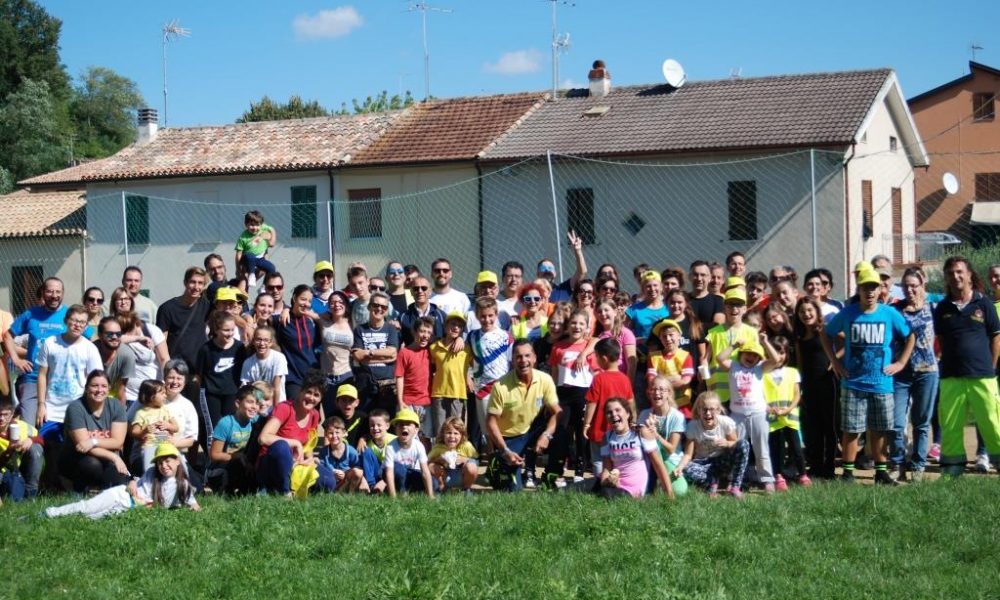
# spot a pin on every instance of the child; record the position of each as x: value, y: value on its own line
x: 571, y: 387
x: 266, y: 364
x: 219, y: 365
x: 754, y: 319
x: 265, y: 398
x: 355, y: 421
x: 374, y: 451
x: 164, y: 484
x: 405, y: 463
x: 339, y: 464
x: 232, y: 469
x: 557, y: 330
x: 747, y: 402
x: 21, y: 455
x: 713, y: 448
x: 668, y: 425
x: 453, y: 460
x: 152, y: 423
x: 609, y: 382
x: 413, y: 374
x: 253, y: 245
x: 449, y: 388
x: 625, y: 450
x: 673, y: 362
x: 722, y: 336
x: 781, y: 389
x: 490, y: 347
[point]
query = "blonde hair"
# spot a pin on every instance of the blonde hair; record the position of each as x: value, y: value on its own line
x: 265, y: 388
x: 699, y: 403
x: 456, y: 424
x: 671, y: 399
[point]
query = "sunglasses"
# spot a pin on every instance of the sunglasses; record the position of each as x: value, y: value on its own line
x: 395, y: 271
x: 92, y: 300
x: 420, y: 288
x: 531, y: 299
x: 325, y: 275
x: 609, y: 288
x: 442, y: 270
x: 375, y: 307
x: 112, y: 334
x: 274, y: 288
x: 376, y: 288
x: 585, y: 292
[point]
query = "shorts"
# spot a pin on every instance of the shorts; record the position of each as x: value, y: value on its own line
x: 426, y: 419
x: 865, y: 411
x: 453, y: 477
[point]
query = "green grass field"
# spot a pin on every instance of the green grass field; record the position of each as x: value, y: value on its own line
x: 933, y: 540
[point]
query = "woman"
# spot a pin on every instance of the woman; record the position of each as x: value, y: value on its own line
x: 175, y: 375
x: 673, y: 278
x: 263, y: 310
x: 121, y: 302
x: 606, y: 287
x: 583, y: 299
x: 93, y: 301
x: 298, y: 339
x: 337, y: 338
x: 95, y: 432
x: 819, y: 391
x: 640, y: 318
x: 149, y: 345
x: 916, y: 385
x: 692, y: 332
x: 287, y: 437
x: 608, y: 271
x: 533, y: 323
x: 395, y: 276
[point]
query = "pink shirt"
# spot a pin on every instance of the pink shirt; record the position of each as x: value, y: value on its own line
x: 625, y: 338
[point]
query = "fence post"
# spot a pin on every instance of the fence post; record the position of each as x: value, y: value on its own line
x: 329, y: 230
x: 812, y: 174
x: 555, y: 213
x: 128, y: 262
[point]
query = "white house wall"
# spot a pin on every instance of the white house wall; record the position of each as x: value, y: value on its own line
x: 57, y: 256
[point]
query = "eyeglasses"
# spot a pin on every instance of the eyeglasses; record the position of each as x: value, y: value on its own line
x: 420, y: 288
x: 274, y: 288
x: 374, y: 307
x: 531, y: 299
x: 376, y: 288
x: 585, y: 292
x: 394, y: 271
x: 609, y: 289
x: 78, y: 322
x: 326, y: 275
x: 442, y: 270
x: 112, y: 334
x: 92, y: 300
x: 123, y: 300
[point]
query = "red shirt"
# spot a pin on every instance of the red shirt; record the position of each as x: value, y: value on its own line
x: 414, y: 366
x: 290, y: 428
x: 607, y: 384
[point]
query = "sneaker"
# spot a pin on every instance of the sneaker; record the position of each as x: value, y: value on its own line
x: 934, y: 453
x: 713, y: 491
x: 916, y: 476
x: 883, y: 478
x: 847, y: 477
x: 865, y: 463
x: 578, y: 479
x: 804, y: 480
x: 529, y: 481
x: 780, y: 484
x: 769, y: 488
x: 251, y: 280
x: 737, y: 493
x: 982, y: 463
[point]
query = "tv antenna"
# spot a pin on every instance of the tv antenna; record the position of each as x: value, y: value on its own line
x: 735, y: 73
x: 423, y: 7
x: 674, y: 73
x: 560, y: 43
x: 171, y: 32
x: 975, y: 47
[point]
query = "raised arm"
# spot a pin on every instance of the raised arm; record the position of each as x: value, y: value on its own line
x: 581, y: 262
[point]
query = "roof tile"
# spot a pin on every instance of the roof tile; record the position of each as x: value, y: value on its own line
x: 42, y: 214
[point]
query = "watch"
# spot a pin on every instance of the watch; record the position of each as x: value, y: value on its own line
x: 93, y: 442
x: 550, y: 437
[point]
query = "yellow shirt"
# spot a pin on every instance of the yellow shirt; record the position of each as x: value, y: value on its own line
x: 145, y: 417
x: 465, y: 450
x: 26, y: 432
x: 516, y: 405
x: 449, y: 371
x: 674, y: 365
x: 719, y: 338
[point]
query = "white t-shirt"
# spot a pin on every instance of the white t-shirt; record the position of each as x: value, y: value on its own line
x: 510, y: 306
x: 410, y: 458
x: 746, y: 389
x: 146, y: 364
x: 266, y: 369
x: 68, y: 367
x: 168, y: 489
x: 186, y: 415
x: 706, y: 440
x: 451, y: 301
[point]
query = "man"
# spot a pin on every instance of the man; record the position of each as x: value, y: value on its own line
x: 514, y: 422
x: 421, y: 307
x: 182, y: 320
x: 883, y: 264
x: 717, y: 280
x: 736, y: 264
x: 399, y: 290
x: 118, y: 359
x: 446, y: 298
x: 216, y: 269
x: 357, y: 281
x: 968, y: 330
x: 513, y: 278
x: 39, y: 323
x: 756, y: 288
x: 486, y: 287
x: 322, y: 286
x: 143, y: 306
x: 274, y: 285
x: 360, y: 292
x: 706, y: 305
x: 375, y: 346
x: 866, y: 404
x: 546, y: 269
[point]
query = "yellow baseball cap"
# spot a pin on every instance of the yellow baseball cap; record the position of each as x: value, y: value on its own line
x: 733, y: 282
x: 323, y: 265
x: 736, y: 295
x: 407, y: 415
x: 226, y: 294
x: 486, y: 277
x: 863, y: 265
x: 666, y: 323
x: 456, y: 315
x: 166, y: 449
x: 752, y: 347
x: 650, y: 275
x: 347, y: 391
x: 866, y: 276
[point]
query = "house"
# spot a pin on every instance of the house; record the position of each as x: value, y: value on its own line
x: 805, y: 170
x: 962, y: 133
x: 42, y: 235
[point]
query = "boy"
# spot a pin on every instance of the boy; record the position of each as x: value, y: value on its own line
x: 21, y: 455
x: 355, y: 421
x: 405, y: 463
x: 490, y: 348
x: 266, y: 364
x: 373, y: 454
x: 232, y: 471
x: 449, y: 388
x: 609, y: 382
x: 673, y: 362
x: 253, y: 245
x: 339, y: 464
x: 413, y: 374
x: 720, y: 337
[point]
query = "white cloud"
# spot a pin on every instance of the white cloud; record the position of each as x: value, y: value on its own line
x: 517, y: 62
x: 334, y: 23
x: 569, y: 84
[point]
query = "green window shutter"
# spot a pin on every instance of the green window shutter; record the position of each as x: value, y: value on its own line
x: 137, y: 219
x: 304, y: 211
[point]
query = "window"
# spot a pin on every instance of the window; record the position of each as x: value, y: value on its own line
x: 580, y: 213
x: 24, y: 283
x: 303, y: 211
x: 897, y: 224
x: 137, y: 219
x: 987, y: 187
x: 982, y: 107
x: 867, y: 210
x: 893, y: 143
x: 365, y: 212
x: 742, y: 210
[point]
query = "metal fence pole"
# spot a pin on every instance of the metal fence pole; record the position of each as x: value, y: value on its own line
x: 128, y: 262
x: 555, y: 213
x: 812, y: 174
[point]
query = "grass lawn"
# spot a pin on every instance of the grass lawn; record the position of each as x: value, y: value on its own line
x: 932, y: 540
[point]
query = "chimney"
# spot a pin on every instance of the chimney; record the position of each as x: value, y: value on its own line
x: 600, y: 80
x: 148, y: 122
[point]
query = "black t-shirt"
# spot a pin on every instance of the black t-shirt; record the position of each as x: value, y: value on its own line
x: 706, y: 308
x: 219, y: 368
x: 184, y: 326
x: 965, y: 335
x: 357, y: 426
x: 689, y: 343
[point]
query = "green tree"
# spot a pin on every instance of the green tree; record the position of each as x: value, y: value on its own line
x: 29, y: 49
x: 380, y: 103
x: 6, y: 181
x: 266, y: 109
x: 31, y: 140
x: 103, y: 109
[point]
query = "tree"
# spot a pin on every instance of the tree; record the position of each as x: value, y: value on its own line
x: 6, y: 181
x: 268, y: 110
x: 380, y: 103
x: 29, y: 49
x: 31, y: 140
x: 103, y: 109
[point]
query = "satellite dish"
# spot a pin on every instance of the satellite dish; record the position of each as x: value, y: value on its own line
x: 673, y: 72
x: 950, y: 183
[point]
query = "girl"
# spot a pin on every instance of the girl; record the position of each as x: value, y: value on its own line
x: 667, y: 424
x: 453, y: 460
x: 152, y: 423
x: 534, y: 322
x: 265, y: 364
x: 149, y: 345
x: 572, y: 384
x: 776, y: 321
x: 265, y: 398
x: 626, y: 446
x: 713, y: 449
x: 298, y: 338
x: 219, y: 365
x: 263, y: 309
x: 165, y: 484
x: 781, y: 389
x: 692, y: 333
x: 819, y: 391
x: 611, y: 325
x: 557, y: 330
x: 337, y: 338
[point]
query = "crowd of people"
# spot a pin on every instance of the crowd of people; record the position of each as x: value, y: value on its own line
x: 713, y: 377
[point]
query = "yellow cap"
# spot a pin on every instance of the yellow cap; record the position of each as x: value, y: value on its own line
x: 226, y: 294
x: 666, y: 323
x: 486, y: 277
x: 456, y: 315
x: 323, y: 265
x: 650, y: 275
x: 736, y: 295
x: 166, y: 449
x: 752, y: 347
x: 866, y: 276
x: 347, y: 390
x: 863, y: 265
x: 407, y: 415
x: 733, y: 282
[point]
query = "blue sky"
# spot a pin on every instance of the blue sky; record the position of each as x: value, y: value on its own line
x: 335, y: 51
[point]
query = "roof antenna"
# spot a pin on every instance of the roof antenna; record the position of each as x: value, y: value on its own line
x: 171, y: 31
x: 423, y: 7
x: 560, y: 43
x: 735, y: 73
x: 974, y: 48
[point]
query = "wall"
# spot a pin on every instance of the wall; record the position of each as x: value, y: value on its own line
x: 58, y: 256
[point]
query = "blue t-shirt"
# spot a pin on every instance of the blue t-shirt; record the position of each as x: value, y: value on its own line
x: 643, y: 318
x: 40, y: 323
x: 868, y: 339
x: 921, y: 323
x: 349, y: 460
x: 232, y: 434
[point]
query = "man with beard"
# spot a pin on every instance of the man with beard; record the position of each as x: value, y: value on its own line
x: 446, y: 298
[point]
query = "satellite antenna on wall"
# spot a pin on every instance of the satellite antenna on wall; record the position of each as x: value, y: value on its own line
x: 673, y: 72
x: 950, y: 183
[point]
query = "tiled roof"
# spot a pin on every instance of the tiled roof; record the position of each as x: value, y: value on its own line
x: 745, y: 113
x: 292, y: 145
x: 42, y: 214
x: 452, y: 129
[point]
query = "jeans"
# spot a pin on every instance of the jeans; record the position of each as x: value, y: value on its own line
x: 12, y: 485
x: 916, y: 391
x: 274, y: 470
x: 251, y: 264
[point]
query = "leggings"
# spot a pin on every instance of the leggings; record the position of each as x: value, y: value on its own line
x: 730, y: 464
x: 819, y: 431
x: 778, y: 440
x: 570, y: 441
x: 757, y: 432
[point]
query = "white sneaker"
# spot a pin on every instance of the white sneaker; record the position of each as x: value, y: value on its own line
x: 982, y: 463
x: 578, y: 479
x: 252, y: 280
x: 529, y: 481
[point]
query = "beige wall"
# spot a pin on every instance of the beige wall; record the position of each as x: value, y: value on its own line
x: 58, y: 256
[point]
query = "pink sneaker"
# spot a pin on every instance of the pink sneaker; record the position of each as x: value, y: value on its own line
x: 713, y: 491
x: 735, y: 492
x: 769, y: 488
x: 804, y: 480
x: 935, y: 452
x: 780, y: 484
